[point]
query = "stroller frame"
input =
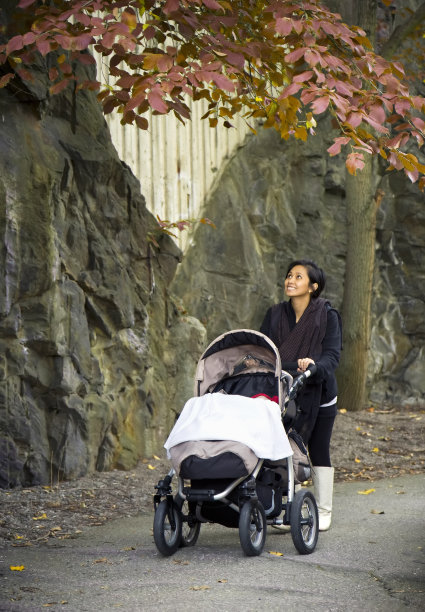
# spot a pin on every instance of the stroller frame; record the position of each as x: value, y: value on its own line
x: 178, y: 517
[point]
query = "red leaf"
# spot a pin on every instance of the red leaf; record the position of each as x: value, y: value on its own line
x: 164, y: 63
x: 156, y: 102
x: 15, y: 44
x: 5, y: 79
x: 142, y: 122
x: 294, y: 56
x: 58, y: 87
x: 283, y: 26
x: 354, y: 162
x: 222, y: 82
x: 28, y: 38
x: 43, y: 46
x: 86, y: 59
x: 320, y: 105
x: 23, y: 4
x: 303, y: 77
x: 236, y: 59
x: 412, y: 174
x: 343, y: 88
x: 212, y: 4
x: 292, y: 89
x: 136, y: 101
x: 338, y: 142
x: 82, y: 42
x: 171, y: 6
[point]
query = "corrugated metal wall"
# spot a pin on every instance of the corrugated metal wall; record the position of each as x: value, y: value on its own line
x: 175, y: 163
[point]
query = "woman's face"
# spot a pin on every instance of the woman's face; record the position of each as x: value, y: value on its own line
x: 297, y: 282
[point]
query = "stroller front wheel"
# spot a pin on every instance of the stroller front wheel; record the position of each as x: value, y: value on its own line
x: 167, y: 528
x: 252, y: 528
x: 190, y: 526
x: 304, y: 522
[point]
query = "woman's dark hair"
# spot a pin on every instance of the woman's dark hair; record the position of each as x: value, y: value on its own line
x: 315, y: 274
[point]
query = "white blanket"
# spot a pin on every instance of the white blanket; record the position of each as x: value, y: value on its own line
x: 217, y: 416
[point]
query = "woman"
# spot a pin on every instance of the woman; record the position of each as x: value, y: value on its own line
x: 307, y: 330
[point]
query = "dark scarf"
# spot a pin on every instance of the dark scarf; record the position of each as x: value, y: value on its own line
x: 304, y: 339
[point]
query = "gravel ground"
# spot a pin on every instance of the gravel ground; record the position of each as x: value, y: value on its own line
x: 366, y: 445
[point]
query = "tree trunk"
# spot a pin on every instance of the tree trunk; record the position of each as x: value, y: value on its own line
x: 361, y: 226
x: 357, y: 298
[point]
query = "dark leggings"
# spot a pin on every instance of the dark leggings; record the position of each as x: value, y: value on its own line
x: 320, y: 439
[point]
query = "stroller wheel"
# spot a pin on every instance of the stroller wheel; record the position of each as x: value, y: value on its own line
x: 252, y: 528
x: 167, y: 528
x: 190, y: 526
x: 304, y: 522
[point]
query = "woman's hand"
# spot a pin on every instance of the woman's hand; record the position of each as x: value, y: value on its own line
x: 304, y: 363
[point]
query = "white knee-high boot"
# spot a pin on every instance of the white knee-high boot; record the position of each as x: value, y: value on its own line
x: 323, y: 482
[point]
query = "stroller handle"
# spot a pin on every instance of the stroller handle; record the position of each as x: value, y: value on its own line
x: 299, y: 382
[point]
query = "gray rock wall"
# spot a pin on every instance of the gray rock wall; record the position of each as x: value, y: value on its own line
x: 279, y: 200
x: 95, y: 358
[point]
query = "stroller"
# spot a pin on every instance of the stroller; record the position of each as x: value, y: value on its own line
x: 231, y: 454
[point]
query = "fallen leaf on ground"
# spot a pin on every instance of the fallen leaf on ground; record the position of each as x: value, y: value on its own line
x: 277, y: 554
x: 377, y: 512
x: 17, y: 568
x: 42, y: 517
x: 203, y: 587
x: 151, y: 467
x: 223, y: 580
x: 366, y: 492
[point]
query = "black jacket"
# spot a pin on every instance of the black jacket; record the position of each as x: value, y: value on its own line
x: 331, y: 350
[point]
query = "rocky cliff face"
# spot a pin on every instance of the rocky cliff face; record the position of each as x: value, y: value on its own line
x: 276, y: 201
x: 94, y: 356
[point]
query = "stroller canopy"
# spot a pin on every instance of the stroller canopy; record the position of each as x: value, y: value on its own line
x: 238, y: 353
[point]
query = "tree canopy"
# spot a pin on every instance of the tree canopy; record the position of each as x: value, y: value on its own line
x: 281, y: 63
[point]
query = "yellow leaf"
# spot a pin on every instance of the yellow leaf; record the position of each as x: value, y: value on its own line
x: 203, y: 587
x: 357, y: 460
x: 18, y: 537
x: 277, y: 554
x: 61, y: 59
x: 366, y: 492
x: 155, y: 457
x: 17, y: 568
x: 375, y: 450
x: 42, y: 517
x: 343, y: 410
x: 151, y: 467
